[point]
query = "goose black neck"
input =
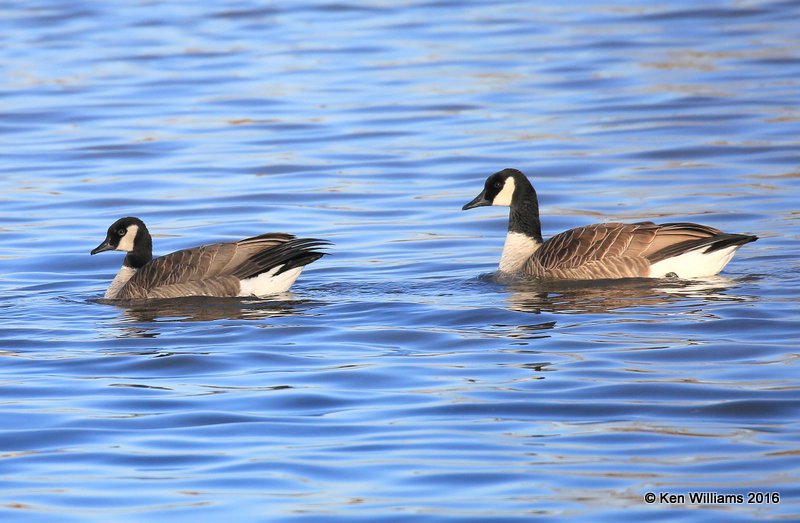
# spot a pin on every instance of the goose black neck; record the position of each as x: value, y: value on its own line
x: 524, y: 215
x: 142, y: 251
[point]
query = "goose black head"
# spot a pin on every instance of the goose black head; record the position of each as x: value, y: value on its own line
x: 502, y: 188
x: 122, y: 235
x: 511, y: 188
x: 129, y: 235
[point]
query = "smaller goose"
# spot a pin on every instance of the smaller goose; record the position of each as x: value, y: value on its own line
x: 257, y: 266
x: 602, y: 250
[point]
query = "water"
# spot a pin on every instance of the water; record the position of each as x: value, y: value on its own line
x: 399, y: 379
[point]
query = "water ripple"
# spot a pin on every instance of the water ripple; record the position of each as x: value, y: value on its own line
x: 401, y: 377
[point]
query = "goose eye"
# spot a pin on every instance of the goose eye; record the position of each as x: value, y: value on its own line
x: 498, y: 185
x: 122, y: 232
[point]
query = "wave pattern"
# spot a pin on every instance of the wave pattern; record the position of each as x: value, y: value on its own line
x: 400, y: 379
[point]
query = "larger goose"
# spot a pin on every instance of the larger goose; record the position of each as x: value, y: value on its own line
x: 257, y: 266
x: 603, y: 250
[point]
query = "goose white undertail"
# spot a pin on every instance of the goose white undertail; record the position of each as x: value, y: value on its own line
x: 267, y: 283
x: 694, y: 264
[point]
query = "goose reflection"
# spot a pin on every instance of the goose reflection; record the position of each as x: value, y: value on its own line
x: 138, y: 317
x: 578, y: 297
x: 209, y: 309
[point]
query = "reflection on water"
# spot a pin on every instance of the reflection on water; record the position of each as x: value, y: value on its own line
x: 606, y: 296
x: 204, y: 309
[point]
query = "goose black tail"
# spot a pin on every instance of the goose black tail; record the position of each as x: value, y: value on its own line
x: 301, y: 261
x: 291, y: 254
x: 729, y: 240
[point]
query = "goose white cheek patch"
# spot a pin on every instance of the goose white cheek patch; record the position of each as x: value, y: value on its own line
x: 126, y: 243
x: 505, y: 195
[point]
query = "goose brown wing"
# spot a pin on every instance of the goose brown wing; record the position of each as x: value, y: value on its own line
x: 581, y: 245
x: 603, y: 250
x: 244, y: 250
x: 221, y: 286
x: 179, y: 268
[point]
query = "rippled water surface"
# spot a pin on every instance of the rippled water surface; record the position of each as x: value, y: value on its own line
x: 399, y: 379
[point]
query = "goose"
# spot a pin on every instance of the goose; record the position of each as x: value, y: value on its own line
x: 257, y: 266
x: 602, y: 250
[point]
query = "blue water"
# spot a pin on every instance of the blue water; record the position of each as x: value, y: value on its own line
x: 399, y: 380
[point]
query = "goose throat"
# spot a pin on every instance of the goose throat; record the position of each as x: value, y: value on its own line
x: 516, y: 251
x: 125, y: 273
